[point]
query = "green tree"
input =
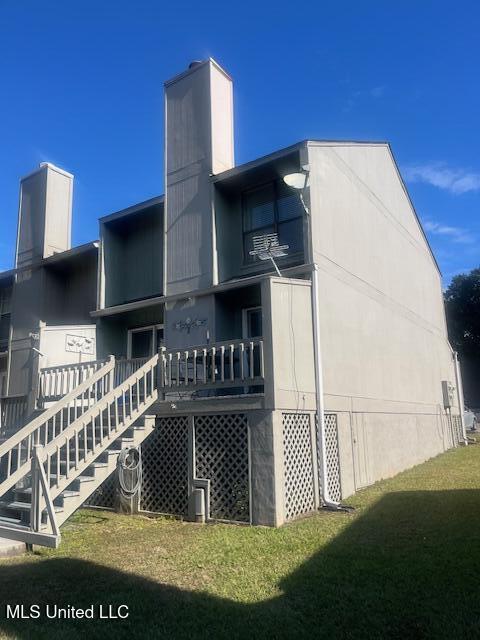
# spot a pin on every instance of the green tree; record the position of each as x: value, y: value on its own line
x: 462, y: 299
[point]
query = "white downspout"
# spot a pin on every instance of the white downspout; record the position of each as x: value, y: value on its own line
x: 320, y: 431
x: 326, y: 500
x: 461, y: 404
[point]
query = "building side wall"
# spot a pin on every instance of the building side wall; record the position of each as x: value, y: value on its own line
x: 190, y: 322
x: 288, y: 336
x: 383, y: 332
x: 27, y: 305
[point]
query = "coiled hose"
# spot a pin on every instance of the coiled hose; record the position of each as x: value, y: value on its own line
x: 129, y: 465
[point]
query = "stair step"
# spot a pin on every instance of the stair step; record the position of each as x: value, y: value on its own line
x: 11, y: 522
x: 83, y: 479
x: 68, y: 493
x: 20, y: 506
x: 27, y: 490
x: 97, y: 465
x: 25, y: 506
x: 63, y: 464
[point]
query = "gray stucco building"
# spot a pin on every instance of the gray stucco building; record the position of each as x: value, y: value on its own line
x: 271, y: 394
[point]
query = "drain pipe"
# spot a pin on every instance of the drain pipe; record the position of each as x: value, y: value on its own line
x: 322, y: 458
x: 461, y: 404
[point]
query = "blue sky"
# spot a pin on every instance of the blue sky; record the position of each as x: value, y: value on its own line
x: 81, y: 85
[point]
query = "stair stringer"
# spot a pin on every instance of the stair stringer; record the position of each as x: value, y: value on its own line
x: 72, y: 503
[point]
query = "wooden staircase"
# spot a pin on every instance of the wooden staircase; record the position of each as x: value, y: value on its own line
x: 51, y: 466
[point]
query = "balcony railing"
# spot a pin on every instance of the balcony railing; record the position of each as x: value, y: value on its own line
x: 56, y: 382
x: 13, y: 414
x: 238, y: 363
x: 234, y: 364
x: 125, y: 367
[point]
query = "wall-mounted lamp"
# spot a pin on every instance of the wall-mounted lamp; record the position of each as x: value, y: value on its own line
x: 299, y: 181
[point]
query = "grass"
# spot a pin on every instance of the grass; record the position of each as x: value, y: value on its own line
x: 405, y: 564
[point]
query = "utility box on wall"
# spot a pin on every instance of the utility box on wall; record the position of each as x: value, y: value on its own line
x: 448, y: 391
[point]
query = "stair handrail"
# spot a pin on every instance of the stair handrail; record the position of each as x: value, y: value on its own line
x: 75, y: 365
x: 30, y: 434
x: 72, y: 431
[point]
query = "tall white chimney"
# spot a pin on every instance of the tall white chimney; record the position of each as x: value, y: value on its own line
x: 45, y: 214
x: 198, y: 143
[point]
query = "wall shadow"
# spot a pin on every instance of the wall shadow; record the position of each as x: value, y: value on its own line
x: 408, y: 568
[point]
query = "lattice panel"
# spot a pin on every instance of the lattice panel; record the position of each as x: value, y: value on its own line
x: 298, y: 465
x: 165, y: 467
x: 104, y: 496
x: 332, y: 455
x: 221, y: 455
x: 457, y: 429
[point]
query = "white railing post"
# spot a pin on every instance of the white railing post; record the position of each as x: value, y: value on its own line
x: 36, y: 502
x: 111, y: 359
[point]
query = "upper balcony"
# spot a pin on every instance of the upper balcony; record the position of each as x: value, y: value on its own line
x: 261, y: 355
x: 132, y: 254
x: 253, y: 200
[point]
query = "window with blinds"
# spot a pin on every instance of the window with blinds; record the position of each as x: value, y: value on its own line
x: 272, y: 208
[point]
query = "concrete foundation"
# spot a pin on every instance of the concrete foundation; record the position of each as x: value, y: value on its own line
x: 9, y: 548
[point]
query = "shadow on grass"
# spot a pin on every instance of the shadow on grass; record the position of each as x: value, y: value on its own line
x: 408, y: 568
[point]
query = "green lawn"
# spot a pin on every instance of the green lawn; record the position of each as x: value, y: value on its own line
x: 405, y: 564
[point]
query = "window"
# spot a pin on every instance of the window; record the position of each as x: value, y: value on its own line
x: 144, y: 342
x: 252, y: 322
x: 272, y: 208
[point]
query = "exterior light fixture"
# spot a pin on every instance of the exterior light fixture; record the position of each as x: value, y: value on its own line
x: 300, y: 182
x: 296, y: 180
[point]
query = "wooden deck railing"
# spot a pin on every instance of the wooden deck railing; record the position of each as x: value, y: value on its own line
x: 56, y: 382
x: 54, y: 457
x: 13, y: 413
x: 125, y: 367
x: 90, y: 434
x: 226, y: 364
x: 16, y: 452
